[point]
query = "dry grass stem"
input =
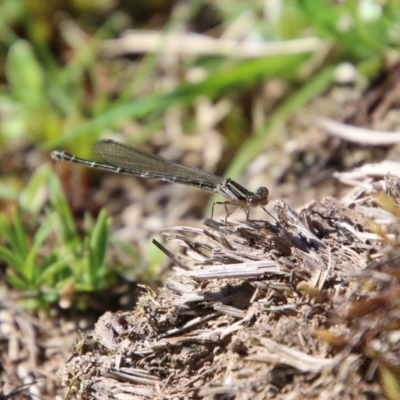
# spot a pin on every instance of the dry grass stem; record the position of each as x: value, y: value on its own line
x: 194, y: 44
x: 261, y: 309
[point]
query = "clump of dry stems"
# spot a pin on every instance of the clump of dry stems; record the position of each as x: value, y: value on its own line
x: 303, y: 306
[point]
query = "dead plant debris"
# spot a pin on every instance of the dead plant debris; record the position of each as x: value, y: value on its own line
x: 303, y: 306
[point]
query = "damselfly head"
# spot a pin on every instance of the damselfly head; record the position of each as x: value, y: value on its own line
x: 259, y: 198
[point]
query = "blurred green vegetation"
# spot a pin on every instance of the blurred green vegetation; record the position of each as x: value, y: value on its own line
x: 57, y: 89
x: 48, y: 259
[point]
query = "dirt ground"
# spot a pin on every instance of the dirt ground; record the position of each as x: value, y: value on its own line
x: 299, y: 304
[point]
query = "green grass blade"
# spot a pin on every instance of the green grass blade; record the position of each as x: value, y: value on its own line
x: 32, y: 270
x: 17, y: 283
x: 66, y: 231
x: 17, y: 236
x: 54, y: 269
x: 44, y: 230
x: 12, y: 260
x: 25, y: 75
x: 356, y: 41
x: 98, y: 248
x: 310, y: 90
x: 34, y: 195
x: 241, y: 75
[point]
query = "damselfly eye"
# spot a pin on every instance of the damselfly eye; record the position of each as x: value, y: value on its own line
x: 262, y: 192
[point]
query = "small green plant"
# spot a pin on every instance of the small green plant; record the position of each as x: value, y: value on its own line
x: 54, y: 263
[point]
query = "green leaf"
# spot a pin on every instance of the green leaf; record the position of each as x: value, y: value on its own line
x: 54, y: 269
x: 358, y: 38
x: 14, y: 262
x: 24, y: 74
x: 96, y: 245
x: 15, y: 234
x: 66, y: 228
x: 44, y: 230
x: 99, y: 242
x: 34, y: 195
x: 31, y: 270
x: 17, y: 282
x: 22, y: 241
